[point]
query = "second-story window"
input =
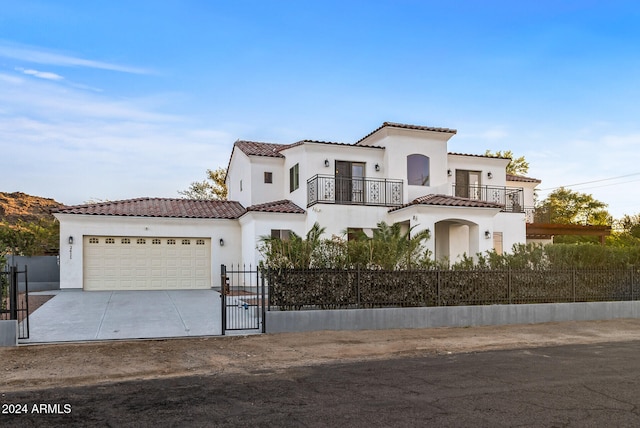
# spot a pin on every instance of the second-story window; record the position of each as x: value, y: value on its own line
x: 268, y: 177
x: 294, y: 177
x: 418, y: 170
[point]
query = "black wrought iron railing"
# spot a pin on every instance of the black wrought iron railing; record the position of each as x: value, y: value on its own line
x: 354, y: 191
x: 511, y: 198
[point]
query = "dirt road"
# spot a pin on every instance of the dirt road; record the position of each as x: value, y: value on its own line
x: 74, y: 364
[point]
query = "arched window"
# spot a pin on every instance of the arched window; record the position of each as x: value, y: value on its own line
x: 418, y: 170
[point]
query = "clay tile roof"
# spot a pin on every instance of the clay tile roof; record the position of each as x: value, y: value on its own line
x: 521, y: 178
x: 405, y: 126
x: 477, y: 156
x: 449, y: 201
x: 331, y: 143
x: 160, y: 207
x: 255, y: 148
x: 283, y: 206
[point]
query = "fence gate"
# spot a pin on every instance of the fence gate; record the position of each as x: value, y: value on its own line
x: 14, y: 301
x: 243, y: 299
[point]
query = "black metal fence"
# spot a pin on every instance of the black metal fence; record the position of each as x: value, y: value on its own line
x: 293, y: 289
x: 243, y: 298
x: 14, y: 303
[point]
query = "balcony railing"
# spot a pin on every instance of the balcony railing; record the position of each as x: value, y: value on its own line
x: 511, y: 198
x: 354, y: 191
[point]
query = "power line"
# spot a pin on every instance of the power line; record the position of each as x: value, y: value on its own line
x: 594, y: 181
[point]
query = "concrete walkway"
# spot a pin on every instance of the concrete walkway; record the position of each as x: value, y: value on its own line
x: 76, y: 315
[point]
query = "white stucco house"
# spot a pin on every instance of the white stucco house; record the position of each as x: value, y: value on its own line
x: 398, y: 174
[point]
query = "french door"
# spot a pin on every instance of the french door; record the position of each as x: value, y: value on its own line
x: 349, y: 182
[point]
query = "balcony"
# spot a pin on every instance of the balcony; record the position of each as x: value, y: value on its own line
x: 511, y: 198
x: 328, y: 189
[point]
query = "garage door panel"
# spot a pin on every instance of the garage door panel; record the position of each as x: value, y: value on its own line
x: 134, y: 263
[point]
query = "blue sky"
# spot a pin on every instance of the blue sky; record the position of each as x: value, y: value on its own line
x: 115, y: 100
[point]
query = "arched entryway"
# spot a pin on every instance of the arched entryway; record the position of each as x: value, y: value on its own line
x: 455, y: 237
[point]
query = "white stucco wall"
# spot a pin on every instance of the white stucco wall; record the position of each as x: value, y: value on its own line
x: 513, y: 227
x: 400, y: 143
x: 337, y: 218
x: 239, y: 178
x: 78, y: 226
x: 257, y: 224
x: 495, y: 166
x: 260, y: 192
x: 448, y: 239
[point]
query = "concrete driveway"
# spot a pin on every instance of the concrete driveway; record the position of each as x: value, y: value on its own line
x: 76, y: 315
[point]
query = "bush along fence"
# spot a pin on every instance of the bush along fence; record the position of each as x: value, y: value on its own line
x: 296, y: 289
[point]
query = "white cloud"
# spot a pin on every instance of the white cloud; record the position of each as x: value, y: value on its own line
x: 72, y: 144
x: 39, y: 55
x: 41, y: 74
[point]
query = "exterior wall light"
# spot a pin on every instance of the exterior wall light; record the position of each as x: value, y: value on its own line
x: 71, y: 240
x: 449, y: 173
x: 490, y: 175
x: 487, y: 234
x: 221, y: 242
x: 377, y: 167
x: 326, y: 163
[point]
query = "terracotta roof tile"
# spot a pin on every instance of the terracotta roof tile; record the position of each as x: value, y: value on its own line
x: 406, y: 126
x: 160, y: 207
x: 283, y: 206
x: 477, y: 156
x: 521, y: 178
x: 255, y: 148
x: 449, y: 201
x: 331, y: 143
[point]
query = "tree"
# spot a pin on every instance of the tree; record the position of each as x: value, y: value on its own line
x: 213, y: 187
x: 516, y: 166
x: 29, y: 238
x: 626, y: 232
x: 565, y: 206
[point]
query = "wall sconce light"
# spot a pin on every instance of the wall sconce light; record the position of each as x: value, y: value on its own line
x: 221, y: 242
x: 449, y: 172
x: 71, y: 240
x: 377, y: 167
x: 326, y: 163
x: 487, y: 234
x: 490, y: 175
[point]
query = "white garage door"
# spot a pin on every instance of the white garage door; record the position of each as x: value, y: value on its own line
x: 136, y: 263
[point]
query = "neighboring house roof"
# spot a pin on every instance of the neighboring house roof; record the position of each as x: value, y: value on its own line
x: 521, y: 178
x: 405, y: 126
x: 160, y: 207
x: 449, y: 201
x: 283, y: 206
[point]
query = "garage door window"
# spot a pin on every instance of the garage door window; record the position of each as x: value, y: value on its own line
x: 94, y: 241
x: 110, y: 241
x: 125, y: 241
x: 171, y: 242
x: 186, y: 242
x: 156, y: 242
x: 141, y: 241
